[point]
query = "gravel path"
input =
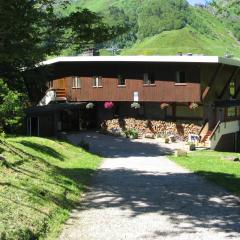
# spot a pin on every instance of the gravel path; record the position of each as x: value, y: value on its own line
x: 139, y: 194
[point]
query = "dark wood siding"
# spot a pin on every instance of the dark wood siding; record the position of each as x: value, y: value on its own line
x: 162, y: 91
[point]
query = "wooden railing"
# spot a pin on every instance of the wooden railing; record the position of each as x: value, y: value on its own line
x: 204, y: 129
x: 215, y: 130
x: 60, y: 94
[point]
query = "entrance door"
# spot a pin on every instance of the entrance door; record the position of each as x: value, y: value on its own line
x: 62, y: 83
x: 34, y: 125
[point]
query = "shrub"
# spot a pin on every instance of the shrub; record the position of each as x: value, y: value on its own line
x: 131, y: 133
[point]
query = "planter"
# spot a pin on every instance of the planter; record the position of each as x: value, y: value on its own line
x: 192, y: 147
x: 180, y: 153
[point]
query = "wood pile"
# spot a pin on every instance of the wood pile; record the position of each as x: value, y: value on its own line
x: 155, y: 128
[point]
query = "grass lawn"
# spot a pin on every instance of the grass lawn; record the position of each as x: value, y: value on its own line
x: 41, y: 180
x: 211, y: 165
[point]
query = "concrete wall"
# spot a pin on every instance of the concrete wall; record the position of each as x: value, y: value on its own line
x: 225, y: 128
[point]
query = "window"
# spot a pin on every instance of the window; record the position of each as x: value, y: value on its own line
x: 121, y: 81
x: 147, y: 79
x: 76, y: 82
x: 97, y: 81
x: 50, y: 84
x: 180, y: 77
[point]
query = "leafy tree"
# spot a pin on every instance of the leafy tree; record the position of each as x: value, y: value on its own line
x: 30, y: 31
x: 12, y: 108
x: 162, y: 15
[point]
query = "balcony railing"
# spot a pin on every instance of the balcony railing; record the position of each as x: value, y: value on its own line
x: 60, y: 94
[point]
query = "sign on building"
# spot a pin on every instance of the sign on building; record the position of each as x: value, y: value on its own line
x: 136, y: 96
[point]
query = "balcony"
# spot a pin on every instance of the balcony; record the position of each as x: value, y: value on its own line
x: 60, y: 94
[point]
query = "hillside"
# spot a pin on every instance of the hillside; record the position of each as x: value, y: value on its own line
x: 167, y: 27
x: 40, y: 182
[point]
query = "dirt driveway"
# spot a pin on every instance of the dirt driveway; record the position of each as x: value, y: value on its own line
x: 139, y: 194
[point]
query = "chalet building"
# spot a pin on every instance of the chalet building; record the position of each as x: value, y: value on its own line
x: 199, y: 89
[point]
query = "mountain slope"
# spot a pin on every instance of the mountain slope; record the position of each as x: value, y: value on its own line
x: 203, y: 35
x: 166, y: 27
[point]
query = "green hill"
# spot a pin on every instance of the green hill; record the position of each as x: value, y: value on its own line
x: 167, y: 27
x: 40, y: 183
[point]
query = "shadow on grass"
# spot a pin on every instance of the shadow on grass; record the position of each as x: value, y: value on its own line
x: 228, y: 181
x: 177, y: 195
x: 43, y: 149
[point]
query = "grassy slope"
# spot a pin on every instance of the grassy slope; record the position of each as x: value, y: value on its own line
x: 40, y: 183
x: 211, y: 165
x: 216, y: 40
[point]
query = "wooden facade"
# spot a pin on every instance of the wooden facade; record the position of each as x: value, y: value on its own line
x: 161, y: 91
x: 164, y: 89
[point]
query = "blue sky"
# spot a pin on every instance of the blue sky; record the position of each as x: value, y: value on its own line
x: 196, y: 1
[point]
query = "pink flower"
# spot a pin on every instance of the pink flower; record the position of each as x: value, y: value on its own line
x: 108, y: 105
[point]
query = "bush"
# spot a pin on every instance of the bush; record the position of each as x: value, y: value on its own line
x: 12, y: 108
x: 131, y: 133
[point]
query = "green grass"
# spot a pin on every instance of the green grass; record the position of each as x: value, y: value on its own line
x: 185, y: 40
x: 41, y: 180
x: 210, y: 164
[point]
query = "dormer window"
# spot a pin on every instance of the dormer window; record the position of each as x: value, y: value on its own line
x: 97, y: 81
x: 76, y: 82
x: 121, y: 80
x: 180, y: 77
x: 148, y: 79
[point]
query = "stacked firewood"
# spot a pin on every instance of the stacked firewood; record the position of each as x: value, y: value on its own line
x: 147, y: 128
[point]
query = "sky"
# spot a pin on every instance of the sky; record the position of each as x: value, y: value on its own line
x: 196, y: 1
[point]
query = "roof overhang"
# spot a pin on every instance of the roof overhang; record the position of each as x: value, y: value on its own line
x: 143, y: 59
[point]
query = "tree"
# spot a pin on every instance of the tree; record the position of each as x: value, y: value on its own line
x: 163, y: 15
x: 31, y: 30
x: 12, y: 108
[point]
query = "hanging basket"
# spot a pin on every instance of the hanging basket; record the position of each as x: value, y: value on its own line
x: 90, y: 105
x: 193, y: 106
x: 164, y: 105
x: 108, y: 105
x: 135, y: 105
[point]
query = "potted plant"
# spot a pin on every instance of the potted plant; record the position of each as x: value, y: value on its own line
x: 193, y: 106
x: 135, y: 105
x: 90, y: 105
x: 108, y: 105
x: 164, y: 105
x: 192, y: 146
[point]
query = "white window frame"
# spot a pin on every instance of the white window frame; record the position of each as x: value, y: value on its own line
x: 178, y: 78
x: 147, y: 80
x: 76, y: 82
x: 97, y: 81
